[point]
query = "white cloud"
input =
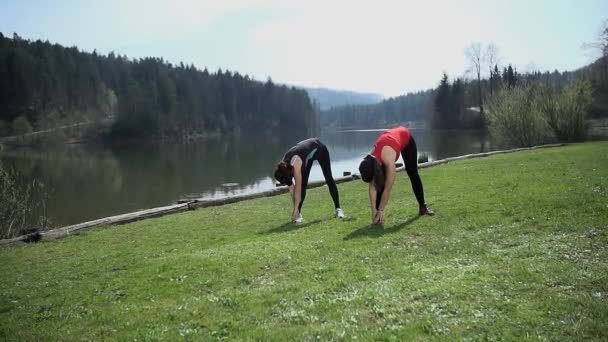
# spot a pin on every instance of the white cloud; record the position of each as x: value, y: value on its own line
x: 388, y: 47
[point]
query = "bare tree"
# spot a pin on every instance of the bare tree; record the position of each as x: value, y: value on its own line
x: 491, y: 59
x: 602, y: 44
x: 598, y: 50
x: 474, y: 55
x: 604, y: 40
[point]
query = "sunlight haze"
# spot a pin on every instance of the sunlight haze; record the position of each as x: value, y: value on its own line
x: 385, y: 47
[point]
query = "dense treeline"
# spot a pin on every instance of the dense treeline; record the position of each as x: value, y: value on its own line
x: 396, y: 110
x: 456, y: 103
x: 452, y: 105
x: 543, y: 109
x: 597, y: 74
x: 44, y: 85
x: 568, y: 97
x: 444, y: 107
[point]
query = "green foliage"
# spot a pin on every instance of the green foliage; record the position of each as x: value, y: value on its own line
x: 21, y: 125
x: 450, y: 106
x: 515, y: 116
x: 510, y: 77
x: 5, y: 128
x: 536, y: 113
x: 162, y: 100
x: 446, y: 107
x: 597, y: 74
x: 17, y: 203
x: 137, y: 114
x: 442, y: 105
x: 495, y: 79
x: 509, y: 256
x: 111, y: 100
x: 566, y: 112
x: 150, y: 97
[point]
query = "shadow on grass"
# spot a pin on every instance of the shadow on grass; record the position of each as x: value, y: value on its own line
x: 375, y: 231
x: 287, y: 227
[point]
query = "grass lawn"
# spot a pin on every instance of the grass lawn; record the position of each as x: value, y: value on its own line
x: 518, y: 249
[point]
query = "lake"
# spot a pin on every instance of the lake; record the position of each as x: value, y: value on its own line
x: 91, y: 182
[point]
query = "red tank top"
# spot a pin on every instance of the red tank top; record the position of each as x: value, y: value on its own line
x: 397, y: 138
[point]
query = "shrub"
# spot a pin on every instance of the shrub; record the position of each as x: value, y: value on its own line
x: 21, y: 126
x: 18, y: 203
x: 5, y: 128
x: 515, y: 118
x: 535, y: 113
x: 566, y: 114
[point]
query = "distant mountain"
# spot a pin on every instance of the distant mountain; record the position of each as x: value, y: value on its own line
x: 329, y: 98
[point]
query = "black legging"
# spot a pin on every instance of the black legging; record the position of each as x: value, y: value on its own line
x: 322, y: 156
x: 410, y: 158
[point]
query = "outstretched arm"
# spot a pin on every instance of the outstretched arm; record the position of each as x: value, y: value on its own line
x: 297, y: 188
x: 372, y: 200
x: 388, y: 160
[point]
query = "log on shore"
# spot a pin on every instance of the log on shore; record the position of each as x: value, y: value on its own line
x: 184, y: 205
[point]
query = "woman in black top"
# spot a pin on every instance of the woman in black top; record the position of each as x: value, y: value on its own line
x: 294, y: 169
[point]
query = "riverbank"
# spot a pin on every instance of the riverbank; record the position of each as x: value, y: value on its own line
x: 518, y: 249
x: 194, y: 203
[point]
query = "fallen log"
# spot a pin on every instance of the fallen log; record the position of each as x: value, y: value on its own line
x: 190, y: 204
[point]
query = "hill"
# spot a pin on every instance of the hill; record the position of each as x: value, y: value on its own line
x: 329, y: 98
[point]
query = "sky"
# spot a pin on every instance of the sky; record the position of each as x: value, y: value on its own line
x: 385, y: 47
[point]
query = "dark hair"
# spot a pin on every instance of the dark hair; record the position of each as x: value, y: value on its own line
x: 284, y: 173
x: 370, y: 169
x: 366, y: 168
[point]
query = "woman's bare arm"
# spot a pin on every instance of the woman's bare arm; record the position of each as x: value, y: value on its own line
x: 297, y: 188
x: 388, y: 160
x: 372, y: 200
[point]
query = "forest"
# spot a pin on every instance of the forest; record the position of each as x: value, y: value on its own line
x: 460, y: 103
x: 451, y: 105
x: 44, y: 85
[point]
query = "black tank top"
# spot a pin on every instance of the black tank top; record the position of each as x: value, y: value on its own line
x: 306, y: 150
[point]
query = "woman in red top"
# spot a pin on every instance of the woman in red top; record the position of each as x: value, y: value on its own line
x: 378, y: 169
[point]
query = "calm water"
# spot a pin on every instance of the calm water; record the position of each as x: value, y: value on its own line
x: 94, y: 182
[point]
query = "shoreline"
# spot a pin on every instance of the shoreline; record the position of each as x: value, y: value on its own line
x: 76, y: 229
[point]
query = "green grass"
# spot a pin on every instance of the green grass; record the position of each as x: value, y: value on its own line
x: 518, y: 250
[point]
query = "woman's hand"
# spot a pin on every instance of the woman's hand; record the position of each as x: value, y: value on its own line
x: 379, y: 217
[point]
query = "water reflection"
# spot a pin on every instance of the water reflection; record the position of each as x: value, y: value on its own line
x: 437, y: 144
x: 449, y: 143
x: 93, y: 182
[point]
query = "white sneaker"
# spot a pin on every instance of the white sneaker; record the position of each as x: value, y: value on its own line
x: 340, y: 213
x: 298, y: 219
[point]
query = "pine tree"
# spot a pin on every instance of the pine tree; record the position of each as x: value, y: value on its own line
x: 47, y: 83
x: 510, y: 77
x: 456, y: 103
x: 442, y: 106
